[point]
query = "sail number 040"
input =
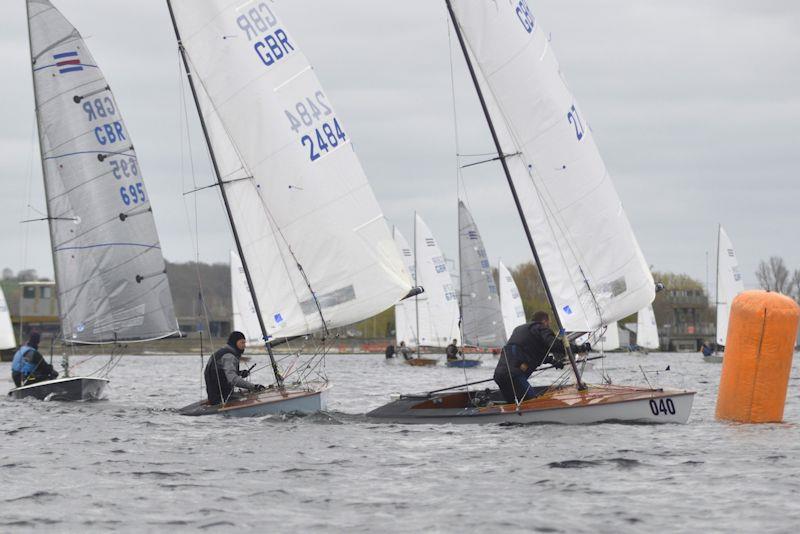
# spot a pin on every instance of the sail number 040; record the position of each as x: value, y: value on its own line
x: 662, y: 406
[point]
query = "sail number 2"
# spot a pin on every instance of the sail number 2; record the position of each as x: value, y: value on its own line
x: 575, y: 120
x: 319, y: 130
x: 662, y: 406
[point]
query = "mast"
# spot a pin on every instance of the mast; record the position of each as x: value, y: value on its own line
x: 221, y: 184
x: 502, y: 158
x: 44, y: 176
x: 716, y: 290
x: 416, y: 297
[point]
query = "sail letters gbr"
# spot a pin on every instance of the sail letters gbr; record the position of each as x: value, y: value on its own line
x: 259, y: 24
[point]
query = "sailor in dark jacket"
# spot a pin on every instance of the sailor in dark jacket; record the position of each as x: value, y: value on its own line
x: 529, y: 346
x: 222, y: 372
x: 452, y: 351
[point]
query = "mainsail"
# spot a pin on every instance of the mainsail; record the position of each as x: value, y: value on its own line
x: 405, y: 319
x: 729, y: 283
x: 438, y: 306
x: 646, y: 328
x: 586, y: 247
x: 481, y: 317
x: 510, y: 300
x: 245, y: 319
x: 110, y: 273
x: 312, y: 234
x: 7, y: 340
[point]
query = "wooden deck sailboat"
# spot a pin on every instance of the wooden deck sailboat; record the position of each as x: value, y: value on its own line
x: 591, y: 266
x: 431, y: 318
x: 729, y: 284
x: 110, y: 274
x: 315, y: 249
x: 481, y: 317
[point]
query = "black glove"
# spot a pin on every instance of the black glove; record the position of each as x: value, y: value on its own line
x: 259, y: 387
x: 244, y: 373
x: 586, y: 347
x: 558, y: 362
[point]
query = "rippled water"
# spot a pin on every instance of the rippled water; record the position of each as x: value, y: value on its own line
x: 130, y: 463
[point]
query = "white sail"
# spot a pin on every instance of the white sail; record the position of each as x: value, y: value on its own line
x: 111, y: 276
x: 438, y: 305
x: 404, y: 311
x: 729, y: 283
x: 312, y: 233
x: 245, y: 319
x: 7, y: 339
x: 594, y: 267
x: 510, y: 300
x: 646, y: 329
x: 481, y: 317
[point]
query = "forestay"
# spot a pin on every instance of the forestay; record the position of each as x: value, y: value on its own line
x: 592, y: 262
x: 313, y: 236
x: 481, y: 318
x: 7, y: 340
x: 510, y: 300
x: 245, y: 319
x: 438, y: 305
x: 646, y: 328
x: 111, y: 276
x: 729, y: 283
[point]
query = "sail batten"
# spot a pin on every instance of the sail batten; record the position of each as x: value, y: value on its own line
x: 110, y: 273
x: 312, y: 235
x: 481, y: 316
x: 595, y: 271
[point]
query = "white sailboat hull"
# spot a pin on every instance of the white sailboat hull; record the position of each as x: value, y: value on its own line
x: 63, y: 389
x: 311, y: 398
x: 600, y: 404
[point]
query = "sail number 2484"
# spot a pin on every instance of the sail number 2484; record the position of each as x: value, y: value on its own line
x: 312, y: 118
x: 662, y: 406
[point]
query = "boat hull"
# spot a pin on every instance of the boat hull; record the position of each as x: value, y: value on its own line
x: 464, y: 363
x: 305, y: 400
x: 422, y: 362
x: 563, y: 405
x: 63, y: 389
x: 712, y: 359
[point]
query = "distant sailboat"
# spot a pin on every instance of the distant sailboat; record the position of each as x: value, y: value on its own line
x: 729, y: 284
x: 431, y: 318
x: 510, y: 300
x: 245, y: 319
x: 7, y: 339
x: 481, y: 316
x: 110, y: 274
x: 591, y: 266
x: 315, y: 248
x: 647, y: 329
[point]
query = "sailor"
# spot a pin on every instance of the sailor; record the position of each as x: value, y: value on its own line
x: 389, y: 352
x: 706, y: 349
x: 530, y: 345
x: 405, y: 351
x: 452, y: 351
x: 16, y: 364
x: 34, y: 367
x: 222, y: 372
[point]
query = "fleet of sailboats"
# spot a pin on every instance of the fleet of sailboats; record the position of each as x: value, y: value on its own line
x: 110, y: 273
x: 313, y: 250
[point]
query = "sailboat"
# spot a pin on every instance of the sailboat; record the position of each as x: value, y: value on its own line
x: 431, y: 319
x: 245, y: 319
x: 510, y: 300
x: 729, y: 284
x: 481, y: 317
x: 315, y: 249
x: 646, y: 329
x: 7, y: 339
x: 110, y: 273
x: 592, y: 268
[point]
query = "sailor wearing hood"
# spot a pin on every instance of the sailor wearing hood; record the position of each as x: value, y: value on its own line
x: 222, y: 372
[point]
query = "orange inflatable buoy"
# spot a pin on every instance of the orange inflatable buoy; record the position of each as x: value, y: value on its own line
x: 758, y: 357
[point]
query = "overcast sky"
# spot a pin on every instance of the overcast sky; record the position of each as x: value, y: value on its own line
x: 695, y: 106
